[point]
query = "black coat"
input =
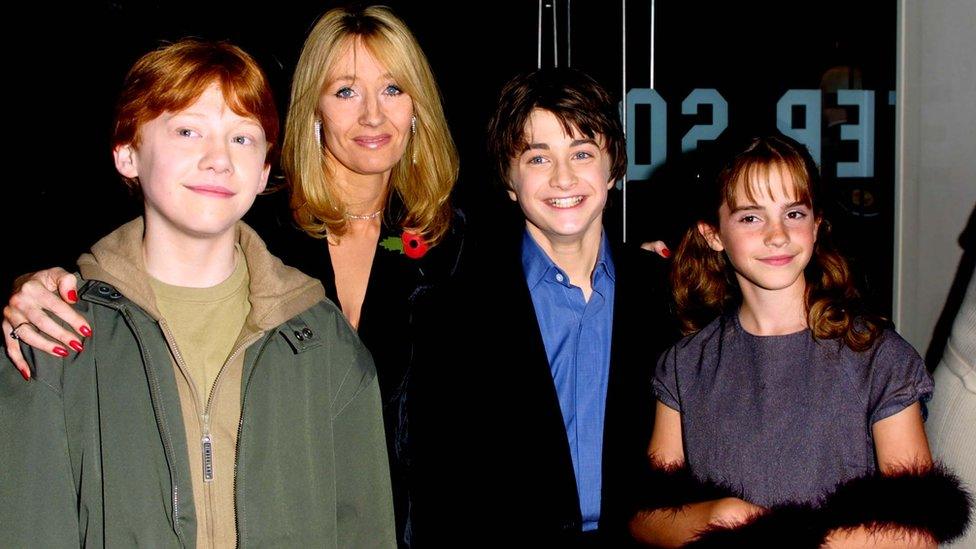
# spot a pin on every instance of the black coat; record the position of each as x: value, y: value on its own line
x: 490, y: 456
x: 387, y: 324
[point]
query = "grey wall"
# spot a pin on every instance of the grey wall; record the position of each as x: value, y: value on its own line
x: 936, y: 166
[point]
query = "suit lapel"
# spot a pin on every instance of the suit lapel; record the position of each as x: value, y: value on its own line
x: 542, y: 400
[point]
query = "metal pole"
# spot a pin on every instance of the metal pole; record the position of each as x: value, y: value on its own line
x: 623, y: 110
x: 538, y: 61
x: 652, y: 44
x: 555, y: 36
x: 569, y: 34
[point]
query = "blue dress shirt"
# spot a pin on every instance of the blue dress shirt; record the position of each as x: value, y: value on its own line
x: 577, y: 337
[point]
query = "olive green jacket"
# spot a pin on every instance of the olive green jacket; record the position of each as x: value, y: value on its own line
x: 93, y: 450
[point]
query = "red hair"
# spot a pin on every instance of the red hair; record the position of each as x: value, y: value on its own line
x: 172, y: 77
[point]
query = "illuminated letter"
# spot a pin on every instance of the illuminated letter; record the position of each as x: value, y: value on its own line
x: 809, y: 135
x: 702, y: 132
x: 862, y: 132
x: 658, y: 124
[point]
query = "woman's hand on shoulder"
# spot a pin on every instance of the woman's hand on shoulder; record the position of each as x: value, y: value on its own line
x: 658, y: 247
x: 27, y: 317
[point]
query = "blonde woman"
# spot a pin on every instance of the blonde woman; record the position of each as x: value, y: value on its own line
x: 370, y: 164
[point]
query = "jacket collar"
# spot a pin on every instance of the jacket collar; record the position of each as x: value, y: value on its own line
x: 277, y: 292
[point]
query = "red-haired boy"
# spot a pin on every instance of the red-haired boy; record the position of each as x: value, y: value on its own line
x: 225, y: 401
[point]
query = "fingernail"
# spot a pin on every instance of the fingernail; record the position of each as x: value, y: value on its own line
x: 666, y: 252
x: 72, y: 296
x: 26, y: 374
x: 85, y: 331
x: 77, y: 346
x: 61, y: 351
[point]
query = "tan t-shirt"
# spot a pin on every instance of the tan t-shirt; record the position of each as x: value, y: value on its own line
x: 205, y: 322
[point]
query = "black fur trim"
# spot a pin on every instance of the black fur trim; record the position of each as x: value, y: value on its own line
x: 932, y: 500
x: 674, y: 487
x: 796, y: 526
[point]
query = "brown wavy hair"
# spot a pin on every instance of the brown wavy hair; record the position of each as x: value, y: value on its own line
x: 573, y: 97
x: 704, y: 282
x: 423, y: 186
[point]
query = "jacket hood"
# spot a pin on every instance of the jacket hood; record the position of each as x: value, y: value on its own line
x: 277, y: 292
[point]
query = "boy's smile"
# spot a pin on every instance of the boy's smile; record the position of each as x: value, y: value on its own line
x: 199, y: 169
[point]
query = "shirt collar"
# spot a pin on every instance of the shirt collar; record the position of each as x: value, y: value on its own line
x: 604, y: 261
x: 538, y: 266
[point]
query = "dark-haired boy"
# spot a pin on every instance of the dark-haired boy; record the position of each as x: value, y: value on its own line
x: 532, y: 407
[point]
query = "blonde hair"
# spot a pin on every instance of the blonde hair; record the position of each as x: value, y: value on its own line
x: 424, y: 186
x: 703, y: 279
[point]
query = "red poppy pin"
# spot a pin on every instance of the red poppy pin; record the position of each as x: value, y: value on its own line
x: 411, y: 244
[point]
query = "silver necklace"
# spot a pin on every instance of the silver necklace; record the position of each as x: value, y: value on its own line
x: 364, y: 217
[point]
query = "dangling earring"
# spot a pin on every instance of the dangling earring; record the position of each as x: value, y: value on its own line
x: 413, y: 131
x: 318, y: 132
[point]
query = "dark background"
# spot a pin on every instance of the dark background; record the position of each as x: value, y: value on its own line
x: 62, y: 192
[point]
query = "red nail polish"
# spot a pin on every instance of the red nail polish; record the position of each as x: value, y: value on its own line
x: 85, y: 331
x: 72, y: 296
x: 77, y: 346
x: 666, y: 252
x: 60, y: 351
x: 26, y: 375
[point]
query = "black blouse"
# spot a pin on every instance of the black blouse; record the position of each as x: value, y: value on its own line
x: 396, y: 288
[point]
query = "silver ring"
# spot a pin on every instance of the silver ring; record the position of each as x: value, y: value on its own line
x: 13, y: 333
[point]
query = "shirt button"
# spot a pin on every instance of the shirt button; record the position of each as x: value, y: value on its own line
x: 559, y: 277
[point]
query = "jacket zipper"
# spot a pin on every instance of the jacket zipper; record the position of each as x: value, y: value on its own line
x: 181, y: 364
x: 206, y: 441
x: 240, y: 426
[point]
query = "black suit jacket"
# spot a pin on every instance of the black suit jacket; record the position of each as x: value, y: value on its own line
x: 490, y: 457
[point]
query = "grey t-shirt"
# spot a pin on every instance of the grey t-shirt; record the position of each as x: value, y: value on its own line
x: 784, y: 418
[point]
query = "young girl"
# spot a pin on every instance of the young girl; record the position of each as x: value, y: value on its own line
x: 787, y: 415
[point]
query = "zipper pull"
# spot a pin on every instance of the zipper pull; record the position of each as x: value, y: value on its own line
x: 208, y: 468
